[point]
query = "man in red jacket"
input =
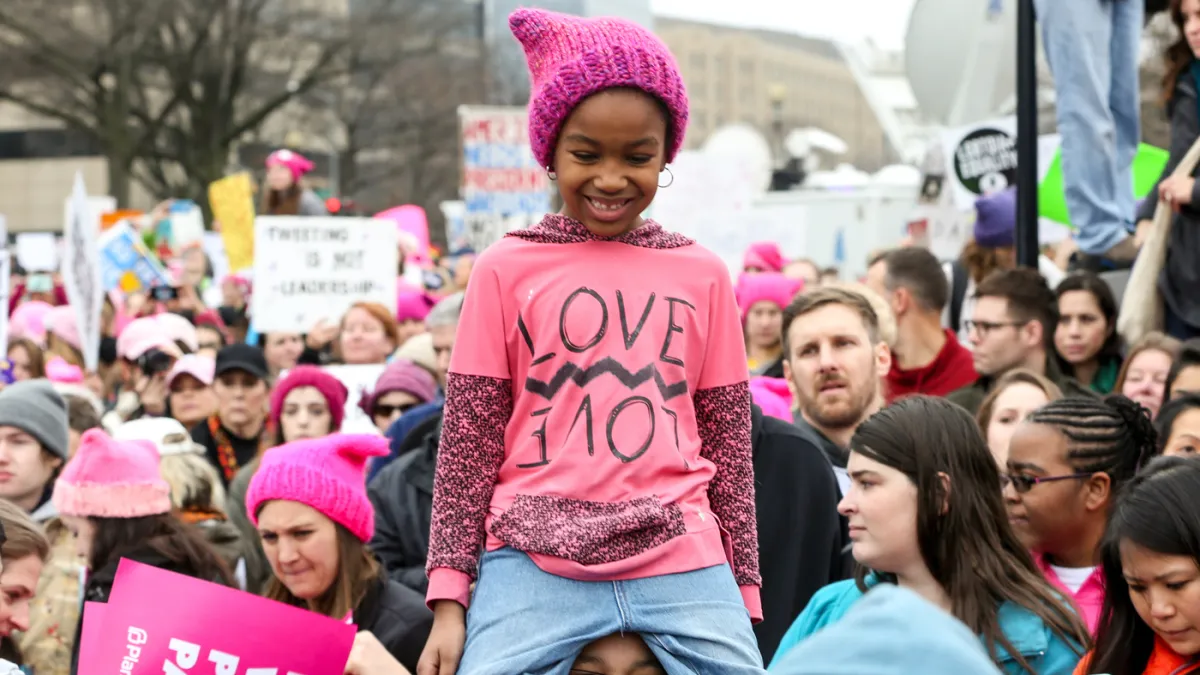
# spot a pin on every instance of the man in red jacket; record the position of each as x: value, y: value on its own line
x: 927, y: 358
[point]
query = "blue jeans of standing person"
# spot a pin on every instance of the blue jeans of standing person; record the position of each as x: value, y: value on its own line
x: 1092, y: 47
x: 523, y: 621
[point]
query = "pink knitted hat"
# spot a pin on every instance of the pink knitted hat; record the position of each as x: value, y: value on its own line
x: 311, y: 376
x: 570, y: 58
x: 328, y: 474
x: 112, y: 479
x: 412, y: 304
x: 764, y: 256
x: 61, y: 322
x: 769, y: 286
x: 295, y: 162
x: 28, y: 321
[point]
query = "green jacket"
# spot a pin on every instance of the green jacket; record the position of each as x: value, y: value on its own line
x: 971, y: 396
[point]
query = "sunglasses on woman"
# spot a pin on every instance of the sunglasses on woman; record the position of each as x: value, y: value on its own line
x: 389, y: 410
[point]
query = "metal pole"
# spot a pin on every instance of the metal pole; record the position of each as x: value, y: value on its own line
x: 1027, y: 136
x: 335, y: 171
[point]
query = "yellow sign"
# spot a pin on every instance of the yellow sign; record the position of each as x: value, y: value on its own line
x: 233, y: 207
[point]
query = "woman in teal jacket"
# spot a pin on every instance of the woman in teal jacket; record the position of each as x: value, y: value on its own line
x: 924, y: 513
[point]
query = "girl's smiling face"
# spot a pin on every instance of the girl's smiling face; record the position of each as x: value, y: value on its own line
x: 610, y: 153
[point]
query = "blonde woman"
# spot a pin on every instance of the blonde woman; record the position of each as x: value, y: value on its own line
x: 196, y: 490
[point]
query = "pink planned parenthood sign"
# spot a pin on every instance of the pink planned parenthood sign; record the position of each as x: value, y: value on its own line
x: 159, y: 622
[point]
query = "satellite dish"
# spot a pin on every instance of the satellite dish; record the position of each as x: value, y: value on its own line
x: 960, y: 56
x: 801, y: 142
x: 743, y: 144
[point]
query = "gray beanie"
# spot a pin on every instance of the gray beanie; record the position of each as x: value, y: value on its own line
x: 33, y: 406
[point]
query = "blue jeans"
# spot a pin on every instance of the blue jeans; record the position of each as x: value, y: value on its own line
x: 523, y: 621
x: 1092, y: 47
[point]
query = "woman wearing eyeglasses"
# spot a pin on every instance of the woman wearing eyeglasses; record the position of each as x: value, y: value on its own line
x: 1066, y: 464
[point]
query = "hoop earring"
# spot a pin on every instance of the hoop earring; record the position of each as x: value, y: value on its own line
x: 551, y: 175
x: 669, y: 173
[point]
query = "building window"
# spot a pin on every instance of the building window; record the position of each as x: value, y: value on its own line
x: 47, y: 144
x: 699, y: 60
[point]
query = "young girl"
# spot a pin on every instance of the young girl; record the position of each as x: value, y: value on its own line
x: 1066, y: 463
x: 762, y: 298
x: 1086, y: 336
x: 1151, y: 562
x: 596, y: 438
x: 285, y: 195
x: 924, y: 513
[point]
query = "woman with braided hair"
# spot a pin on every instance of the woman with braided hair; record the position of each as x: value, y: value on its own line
x: 1067, y: 462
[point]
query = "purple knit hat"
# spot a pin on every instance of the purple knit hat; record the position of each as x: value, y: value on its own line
x: 311, y: 376
x: 328, y: 474
x: 400, y: 375
x: 996, y: 219
x: 570, y: 58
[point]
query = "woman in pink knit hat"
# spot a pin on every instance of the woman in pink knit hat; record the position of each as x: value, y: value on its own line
x: 594, y: 473
x: 310, y: 506
x: 62, y: 335
x: 307, y: 403
x: 117, y: 505
x: 284, y: 194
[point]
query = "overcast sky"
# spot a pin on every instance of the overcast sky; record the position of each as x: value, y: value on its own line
x: 884, y: 21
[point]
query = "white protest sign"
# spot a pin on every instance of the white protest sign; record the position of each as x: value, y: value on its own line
x: 37, y: 251
x: 81, y: 270
x: 359, y: 381
x: 981, y: 159
x: 309, y: 269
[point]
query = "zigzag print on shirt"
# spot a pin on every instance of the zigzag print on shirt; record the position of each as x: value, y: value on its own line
x: 581, y: 377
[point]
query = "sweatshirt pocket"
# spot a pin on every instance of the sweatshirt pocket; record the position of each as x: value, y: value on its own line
x: 585, y: 532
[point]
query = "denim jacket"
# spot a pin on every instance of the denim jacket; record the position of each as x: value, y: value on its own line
x: 1047, y: 653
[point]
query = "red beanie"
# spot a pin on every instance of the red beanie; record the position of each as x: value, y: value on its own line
x: 311, y: 376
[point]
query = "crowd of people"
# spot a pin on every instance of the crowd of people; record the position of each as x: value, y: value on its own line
x: 596, y: 452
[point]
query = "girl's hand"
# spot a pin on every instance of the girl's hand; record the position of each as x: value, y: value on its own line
x: 370, y: 657
x: 444, y: 649
x: 1177, y: 191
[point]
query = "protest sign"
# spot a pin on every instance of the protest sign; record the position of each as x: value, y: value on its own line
x: 1147, y: 168
x: 161, y: 622
x: 81, y: 271
x: 37, y: 251
x: 233, y: 207
x: 308, y: 269
x: 981, y: 159
x: 359, y: 381
x: 503, y: 187
x: 126, y: 264
x: 187, y: 224
x: 89, y: 638
x: 410, y: 220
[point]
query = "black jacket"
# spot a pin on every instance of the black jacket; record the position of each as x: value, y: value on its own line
x: 800, y: 535
x: 402, y: 495
x: 398, y: 618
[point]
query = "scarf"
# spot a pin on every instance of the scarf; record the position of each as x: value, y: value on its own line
x: 225, y: 453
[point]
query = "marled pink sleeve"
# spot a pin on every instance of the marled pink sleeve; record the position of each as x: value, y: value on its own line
x: 479, y: 401
x: 722, y: 403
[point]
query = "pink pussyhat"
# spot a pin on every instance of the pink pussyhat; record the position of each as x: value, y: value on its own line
x: 767, y: 286
x: 327, y: 474
x: 60, y: 321
x: 570, y: 58
x: 108, y: 478
x: 772, y: 395
x: 28, y: 321
x: 763, y: 256
x: 294, y: 161
x: 59, y: 371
